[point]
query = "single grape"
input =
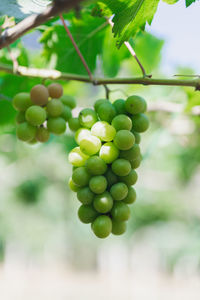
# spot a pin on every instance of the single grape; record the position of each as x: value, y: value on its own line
x: 77, y: 158
x: 35, y: 115
x: 39, y: 94
x: 121, y: 167
x: 74, y: 124
x: 129, y: 179
x: 20, y: 117
x: 108, y: 152
x: 103, y: 202
x: 74, y: 187
x: 131, y: 196
x: 131, y: 154
x: 25, y: 132
x: 96, y: 166
x: 98, y: 184
x: 55, y: 90
x: 120, y: 211
x: 135, y: 105
x: 99, y: 102
x: 106, y: 112
x: 22, y: 101
x: 111, y: 177
x: 136, y: 162
x: 124, y: 139
x: 69, y: 101
x: 80, y: 134
x: 104, y: 131
x: 66, y: 114
x: 102, y: 226
x: 119, y: 105
x: 121, y: 122
x: 118, y: 228
x: 42, y: 134
x: 55, y: 108
x: 119, y: 191
x: 32, y: 142
x: 56, y: 125
x: 137, y: 137
x: 87, y: 117
x: 90, y: 144
x: 81, y: 177
x: 85, y: 195
x: 140, y: 122
x: 87, y: 214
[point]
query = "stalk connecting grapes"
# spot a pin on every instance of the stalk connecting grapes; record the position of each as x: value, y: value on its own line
x: 45, y: 110
x: 105, y: 160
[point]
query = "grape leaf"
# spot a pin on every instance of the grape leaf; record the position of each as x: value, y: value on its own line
x: 189, y: 2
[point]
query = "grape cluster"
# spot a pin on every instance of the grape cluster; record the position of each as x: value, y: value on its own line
x: 105, y: 160
x: 43, y: 111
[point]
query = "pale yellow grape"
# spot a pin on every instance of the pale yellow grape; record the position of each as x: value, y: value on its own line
x: 104, y: 131
x: 90, y: 145
x: 109, y: 152
x: 80, y: 134
x: 77, y: 158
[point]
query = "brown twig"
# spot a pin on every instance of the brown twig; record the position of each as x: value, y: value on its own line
x: 107, y: 90
x: 14, y: 60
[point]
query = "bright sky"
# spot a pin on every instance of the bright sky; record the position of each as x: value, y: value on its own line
x: 180, y: 27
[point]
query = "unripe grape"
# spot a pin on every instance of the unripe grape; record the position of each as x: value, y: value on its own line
x: 121, y: 122
x: 66, y: 114
x: 42, y: 135
x: 95, y: 165
x: 104, y: 131
x: 73, y: 187
x: 90, y: 145
x: 39, y: 94
x: 124, y: 139
x: 81, y: 134
x: 111, y: 177
x: 135, y: 105
x: 87, y: 214
x: 131, y: 154
x: 22, y: 101
x: 77, y: 158
x: 85, y: 195
x: 140, y: 122
x: 119, y: 191
x: 81, y: 176
x: 87, y: 117
x: 131, y: 196
x: 136, y: 162
x: 120, y: 106
x: 118, y: 228
x: 108, y: 152
x: 69, y: 101
x: 106, y: 112
x: 25, y: 132
x: 137, y: 137
x: 121, y: 167
x: 120, y: 211
x: 103, y: 202
x: 74, y: 124
x: 129, y: 179
x: 35, y: 115
x: 98, y: 184
x: 99, y: 102
x: 55, y: 90
x: 20, y: 117
x: 55, y: 108
x: 32, y: 142
x: 56, y: 125
x: 102, y: 226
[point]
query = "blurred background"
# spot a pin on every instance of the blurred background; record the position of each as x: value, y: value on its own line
x: 45, y: 252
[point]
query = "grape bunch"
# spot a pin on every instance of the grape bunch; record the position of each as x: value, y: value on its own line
x: 43, y: 111
x: 105, y: 160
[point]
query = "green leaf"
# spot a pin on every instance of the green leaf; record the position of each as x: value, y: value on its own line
x: 170, y: 1
x: 189, y: 2
x: 7, y: 112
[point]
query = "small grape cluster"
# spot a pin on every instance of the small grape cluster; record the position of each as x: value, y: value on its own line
x: 104, y: 163
x: 43, y: 111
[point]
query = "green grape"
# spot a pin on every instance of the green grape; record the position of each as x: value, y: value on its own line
x: 81, y: 177
x: 39, y: 94
x: 137, y: 137
x: 85, y: 195
x: 56, y: 125
x: 22, y: 101
x: 35, y: 115
x: 111, y: 177
x: 108, y: 152
x: 66, y: 114
x: 74, y: 187
x: 69, y: 101
x: 136, y: 162
x: 55, y: 108
x: 90, y: 145
x: 135, y: 105
x: 25, y: 132
x: 118, y: 228
x: 20, y: 117
x: 119, y: 105
x: 129, y: 179
x: 106, y: 112
x: 32, y: 142
x: 119, y: 191
x: 55, y: 90
x: 80, y: 134
x: 103, y: 202
x: 98, y: 184
x: 140, y: 122
x: 120, y: 211
x: 104, y: 131
x: 131, y: 196
x: 87, y: 117
x: 121, y: 122
x: 131, y: 154
x: 102, y: 226
x: 121, y: 167
x: 87, y: 214
x: 95, y: 165
x: 42, y: 135
x: 99, y: 102
x: 74, y: 124
x: 124, y: 139
x: 77, y: 158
